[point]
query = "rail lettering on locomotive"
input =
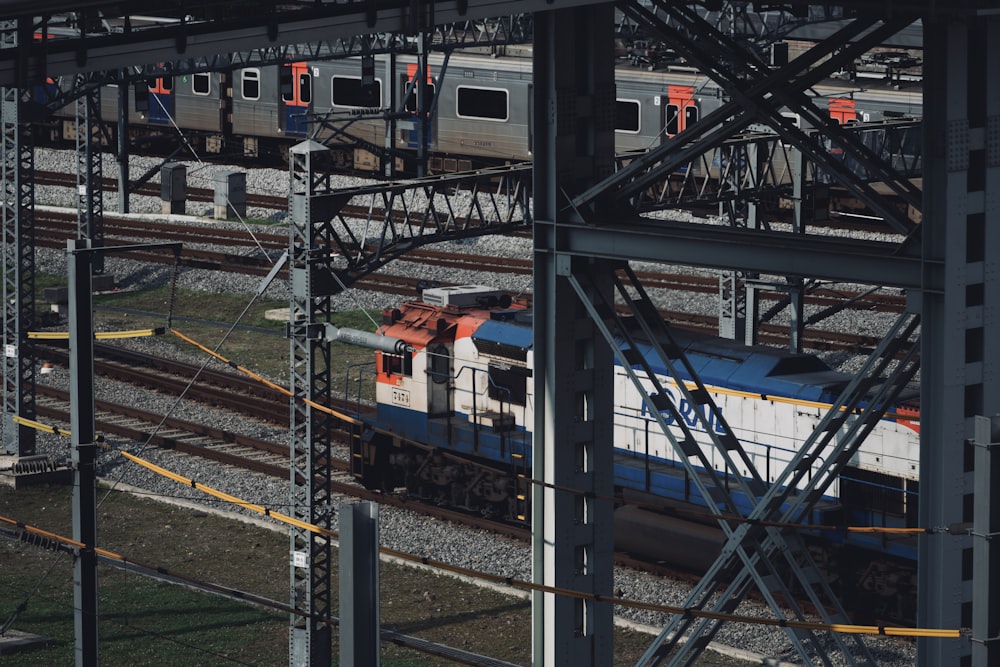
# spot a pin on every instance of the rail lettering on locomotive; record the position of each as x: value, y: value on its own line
x: 694, y: 416
x: 401, y: 397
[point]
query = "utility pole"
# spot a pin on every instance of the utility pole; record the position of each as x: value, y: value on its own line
x: 81, y: 373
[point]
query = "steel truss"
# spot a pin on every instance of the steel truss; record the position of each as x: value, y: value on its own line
x: 754, y: 556
x: 416, y: 212
x: 753, y: 553
x: 757, y: 27
x: 758, y: 93
x: 329, y: 252
x: 492, y: 34
x: 757, y: 167
x: 18, y: 158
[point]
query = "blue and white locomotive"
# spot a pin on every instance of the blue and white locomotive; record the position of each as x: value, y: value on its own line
x: 455, y: 415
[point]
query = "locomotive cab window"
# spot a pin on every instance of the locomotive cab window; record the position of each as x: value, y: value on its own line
x: 483, y: 103
x: 251, y: 84
x: 201, y: 83
x: 509, y: 384
x: 397, y: 364
x: 347, y: 91
x: 627, y: 116
x: 439, y: 364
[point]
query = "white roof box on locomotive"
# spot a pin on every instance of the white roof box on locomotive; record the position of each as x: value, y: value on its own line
x: 462, y: 296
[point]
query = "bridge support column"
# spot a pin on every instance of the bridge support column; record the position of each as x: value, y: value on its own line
x: 959, y: 356
x: 572, y: 530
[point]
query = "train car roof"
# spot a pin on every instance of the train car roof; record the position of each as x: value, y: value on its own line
x: 756, y: 369
x: 717, y: 361
x: 508, y: 328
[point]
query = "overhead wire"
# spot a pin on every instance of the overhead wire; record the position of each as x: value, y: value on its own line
x: 532, y: 586
x: 201, y: 162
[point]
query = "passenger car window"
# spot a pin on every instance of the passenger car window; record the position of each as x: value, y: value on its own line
x: 251, y: 84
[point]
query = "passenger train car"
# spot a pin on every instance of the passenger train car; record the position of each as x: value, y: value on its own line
x: 480, y: 107
x: 455, y: 417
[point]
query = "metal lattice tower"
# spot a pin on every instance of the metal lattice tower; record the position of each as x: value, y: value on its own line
x: 89, y: 167
x: 19, y: 259
x: 311, y: 459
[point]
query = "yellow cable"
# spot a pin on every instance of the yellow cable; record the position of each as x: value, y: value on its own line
x: 99, y: 335
x: 39, y: 426
x: 260, y: 509
x: 277, y: 387
x: 835, y: 627
x: 134, y: 333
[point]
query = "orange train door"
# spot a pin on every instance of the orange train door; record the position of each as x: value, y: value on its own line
x: 295, y: 88
x: 161, y: 100
x: 412, y: 104
x: 678, y: 110
x: 842, y: 110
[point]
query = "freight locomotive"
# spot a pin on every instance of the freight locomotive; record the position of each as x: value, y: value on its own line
x: 478, y: 108
x: 454, y: 421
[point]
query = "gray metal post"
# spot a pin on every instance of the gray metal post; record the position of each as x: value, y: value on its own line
x: 81, y: 371
x: 571, y: 532
x: 311, y: 468
x: 739, y: 307
x: 18, y: 204
x: 796, y: 306
x: 389, y: 89
x: 359, y: 584
x: 123, y: 146
x: 985, y: 560
x: 89, y: 167
x: 960, y: 241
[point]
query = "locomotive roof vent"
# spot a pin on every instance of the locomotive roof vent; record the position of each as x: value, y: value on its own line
x: 463, y: 296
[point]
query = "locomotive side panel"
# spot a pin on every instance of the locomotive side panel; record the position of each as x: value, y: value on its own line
x: 401, y: 393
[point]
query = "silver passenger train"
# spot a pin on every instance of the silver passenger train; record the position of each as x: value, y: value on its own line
x: 479, y: 108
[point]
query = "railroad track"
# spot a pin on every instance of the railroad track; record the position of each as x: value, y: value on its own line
x: 218, y: 445
x: 207, y: 442
x: 223, y: 390
x: 53, y: 228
